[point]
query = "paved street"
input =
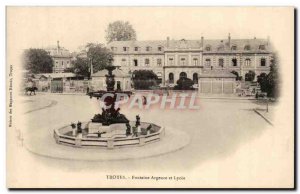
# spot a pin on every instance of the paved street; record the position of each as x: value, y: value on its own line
x: 219, y: 131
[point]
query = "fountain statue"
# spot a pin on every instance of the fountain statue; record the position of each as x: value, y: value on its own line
x: 109, y: 129
x: 110, y: 115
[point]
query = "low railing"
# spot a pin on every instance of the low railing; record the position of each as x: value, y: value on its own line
x: 109, y: 143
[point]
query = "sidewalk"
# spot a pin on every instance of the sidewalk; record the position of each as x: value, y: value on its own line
x: 267, y: 116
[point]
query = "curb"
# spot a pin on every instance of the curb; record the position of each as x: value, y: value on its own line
x: 263, y: 117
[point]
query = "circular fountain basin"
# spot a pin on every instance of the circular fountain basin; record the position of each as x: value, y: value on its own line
x: 65, y: 136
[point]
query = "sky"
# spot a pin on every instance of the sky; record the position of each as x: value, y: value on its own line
x: 36, y: 27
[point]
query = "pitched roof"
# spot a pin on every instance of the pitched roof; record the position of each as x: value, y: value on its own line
x: 216, y: 45
x: 117, y: 72
x: 216, y: 74
x: 56, y: 75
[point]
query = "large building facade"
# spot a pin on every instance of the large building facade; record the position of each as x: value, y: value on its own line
x: 172, y: 59
x: 61, y: 58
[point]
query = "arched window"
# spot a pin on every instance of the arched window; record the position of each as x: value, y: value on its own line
x: 247, y: 62
x: 263, y: 62
x: 195, y: 78
x: 247, y: 47
x: 171, y: 78
x: 221, y: 62
x: 182, y: 75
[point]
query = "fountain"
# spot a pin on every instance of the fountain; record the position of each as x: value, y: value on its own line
x: 110, y: 129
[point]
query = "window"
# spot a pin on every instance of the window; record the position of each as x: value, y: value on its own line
x: 159, y: 48
x: 220, y: 47
x: 195, y: 78
x: 147, y: 62
x: 113, y: 48
x: 262, y: 47
x: 171, y: 78
x: 195, y: 61
x: 263, y: 62
x: 125, y: 49
x: 207, y: 62
x: 171, y: 61
x: 247, y: 48
x: 123, y: 61
x: 182, y: 61
x: 135, y: 62
x: 221, y: 62
x: 136, y: 48
x: 56, y: 62
x: 247, y: 62
x: 234, y: 62
x: 148, y: 48
x: 62, y: 63
x: 158, y: 62
x: 234, y: 48
x: 207, y: 48
x: 182, y: 75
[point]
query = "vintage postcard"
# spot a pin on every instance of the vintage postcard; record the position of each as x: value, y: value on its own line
x: 150, y: 97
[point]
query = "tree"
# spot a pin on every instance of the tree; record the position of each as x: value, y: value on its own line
x: 144, y: 79
x: 270, y: 83
x: 273, y: 81
x: 37, y: 61
x: 250, y: 76
x: 120, y: 30
x: 237, y: 75
x: 184, y: 83
x: 99, y: 56
x: 82, y: 67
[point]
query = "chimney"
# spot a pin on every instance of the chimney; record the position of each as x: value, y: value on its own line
x: 229, y: 40
x: 168, y: 41
x: 57, y: 47
x: 202, y: 41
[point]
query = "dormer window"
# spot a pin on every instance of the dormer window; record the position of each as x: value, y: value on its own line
x: 125, y: 48
x: 148, y: 48
x: 262, y: 47
x: 234, y: 48
x: 159, y: 48
x: 220, y: 47
x: 247, y: 48
x: 136, y: 48
x: 208, y: 48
